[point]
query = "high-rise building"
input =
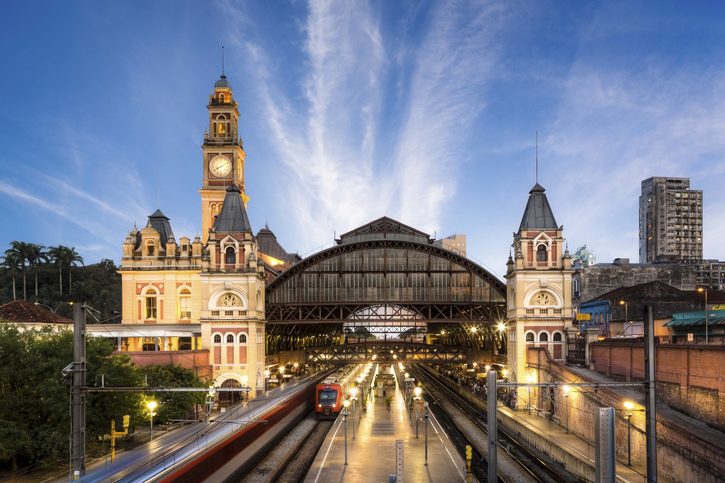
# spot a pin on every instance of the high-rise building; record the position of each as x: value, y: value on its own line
x: 670, y: 221
x: 453, y: 243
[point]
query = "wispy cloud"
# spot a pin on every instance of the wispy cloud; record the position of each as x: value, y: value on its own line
x: 346, y: 170
x: 618, y: 126
x: 34, y: 199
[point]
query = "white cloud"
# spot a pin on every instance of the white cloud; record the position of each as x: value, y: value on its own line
x: 342, y: 174
x: 616, y: 127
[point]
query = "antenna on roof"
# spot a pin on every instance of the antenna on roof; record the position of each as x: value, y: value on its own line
x: 222, y: 61
x: 537, y: 157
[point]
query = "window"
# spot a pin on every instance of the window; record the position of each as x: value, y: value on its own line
x: 217, y: 339
x: 557, y: 336
x: 229, y: 300
x: 230, y: 339
x: 150, y: 249
x: 149, y: 344
x: 541, y: 253
x: 230, y: 257
x: 151, y: 304
x: 185, y: 304
x: 530, y: 337
x: 242, y: 338
x: 184, y: 343
x: 543, y: 337
x: 222, y: 98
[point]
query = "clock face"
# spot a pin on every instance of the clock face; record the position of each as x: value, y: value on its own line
x: 542, y: 298
x: 220, y: 166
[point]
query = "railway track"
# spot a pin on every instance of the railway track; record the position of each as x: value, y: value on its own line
x: 291, y: 456
x: 536, y: 466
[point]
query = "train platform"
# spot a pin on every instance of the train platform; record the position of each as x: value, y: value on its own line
x: 372, y: 454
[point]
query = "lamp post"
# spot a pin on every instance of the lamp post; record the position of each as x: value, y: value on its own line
x: 566, y: 390
x: 707, y: 337
x: 345, y: 413
x: 353, y: 397
x: 426, y: 414
x: 210, y: 401
x: 628, y: 405
x: 626, y: 313
x: 266, y: 380
x: 530, y: 379
x: 417, y: 391
x: 151, y: 406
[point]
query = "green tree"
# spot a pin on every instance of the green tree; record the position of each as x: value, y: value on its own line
x: 173, y: 405
x: 65, y: 258
x: 35, y: 255
x: 19, y: 252
x: 12, y: 261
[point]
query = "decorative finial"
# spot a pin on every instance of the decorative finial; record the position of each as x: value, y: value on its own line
x: 223, y: 76
x: 537, y: 157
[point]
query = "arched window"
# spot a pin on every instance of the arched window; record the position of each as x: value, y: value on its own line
x: 541, y: 253
x: 222, y: 98
x: 230, y: 257
x: 151, y: 311
x: 217, y: 339
x: 543, y: 337
x: 242, y: 338
x: 230, y: 339
x: 185, y: 304
x: 529, y: 337
x: 557, y: 336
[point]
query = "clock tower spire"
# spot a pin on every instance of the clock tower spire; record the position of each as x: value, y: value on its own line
x: 222, y: 153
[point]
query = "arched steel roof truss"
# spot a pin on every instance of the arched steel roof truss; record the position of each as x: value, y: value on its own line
x: 340, y: 283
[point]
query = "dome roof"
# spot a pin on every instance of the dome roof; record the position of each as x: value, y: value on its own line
x: 222, y: 82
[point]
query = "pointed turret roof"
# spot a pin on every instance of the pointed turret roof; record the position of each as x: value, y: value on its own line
x: 233, y: 217
x: 538, y: 214
x: 160, y: 223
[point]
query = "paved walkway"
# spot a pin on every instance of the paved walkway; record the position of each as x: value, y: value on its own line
x: 371, y: 456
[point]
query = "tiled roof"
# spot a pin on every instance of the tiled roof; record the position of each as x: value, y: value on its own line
x: 538, y: 214
x: 20, y: 311
x: 233, y: 217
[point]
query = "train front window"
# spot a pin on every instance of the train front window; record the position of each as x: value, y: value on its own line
x: 327, y: 397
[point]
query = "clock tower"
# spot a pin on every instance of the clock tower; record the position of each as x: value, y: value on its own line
x: 538, y: 286
x: 222, y: 154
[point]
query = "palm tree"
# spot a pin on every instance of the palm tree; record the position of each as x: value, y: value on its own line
x: 65, y: 257
x: 12, y: 262
x: 19, y: 251
x: 35, y: 255
x: 72, y: 259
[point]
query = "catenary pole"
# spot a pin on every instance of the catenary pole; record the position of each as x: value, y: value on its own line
x: 650, y: 393
x: 78, y: 396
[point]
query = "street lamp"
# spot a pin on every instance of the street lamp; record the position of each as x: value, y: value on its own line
x: 530, y: 379
x: 353, y: 397
x: 704, y: 290
x: 629, y: 405
x: 210, y: 401
x: 345, y: 413
x: 626, y: 314
x: 417, y: 392
x: 425, y: 405
x: 266, y: 380
x: 566, y: 390
x: 501, y: 327
x: 151, y: 406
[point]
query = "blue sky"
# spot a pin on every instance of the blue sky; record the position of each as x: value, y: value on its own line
x: 422, y: 111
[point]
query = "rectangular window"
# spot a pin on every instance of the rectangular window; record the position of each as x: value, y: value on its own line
x: 184, y: 343
x: 150, y: 307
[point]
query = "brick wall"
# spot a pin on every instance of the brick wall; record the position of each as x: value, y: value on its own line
x: 198, y: 361
x: 689, y: 377
x: 682, y: 456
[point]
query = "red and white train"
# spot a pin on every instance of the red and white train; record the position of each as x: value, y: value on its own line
x: 331, y: 393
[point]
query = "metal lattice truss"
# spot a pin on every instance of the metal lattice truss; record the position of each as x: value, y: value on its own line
x: 341, y: 312
x: 386, y: 352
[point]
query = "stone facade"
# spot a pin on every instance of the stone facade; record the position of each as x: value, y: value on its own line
x: 203, y: 297
x: 592, y: 281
